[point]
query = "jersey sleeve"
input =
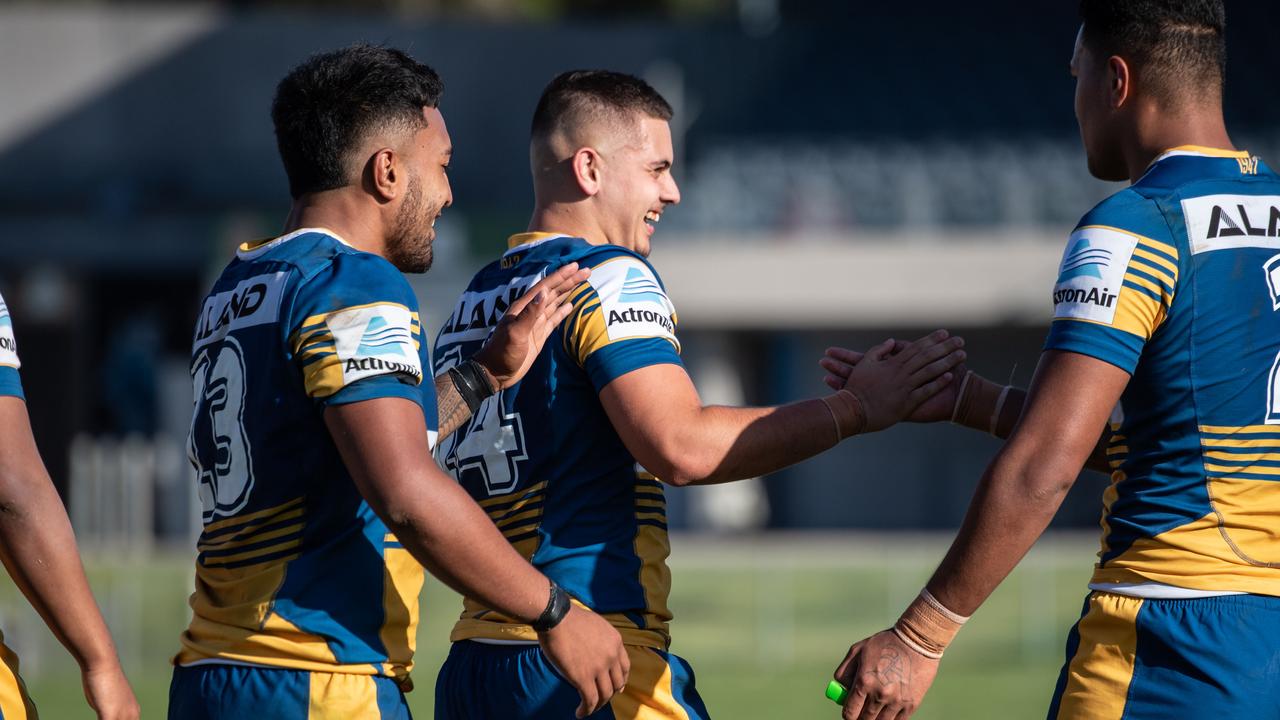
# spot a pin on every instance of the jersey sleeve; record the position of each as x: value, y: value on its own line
x: 355, y: 333
x: 622, y: 320
x: 1115, y: 288
x: 10, y: 383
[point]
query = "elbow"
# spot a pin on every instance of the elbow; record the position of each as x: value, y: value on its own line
x: 681, y: 468
x: 1050, y: 491
x: 1044, y: 486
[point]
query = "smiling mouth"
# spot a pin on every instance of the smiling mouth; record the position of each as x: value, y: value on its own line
x: 652, y: 218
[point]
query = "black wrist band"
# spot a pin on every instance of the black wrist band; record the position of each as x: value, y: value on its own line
x: 557, y: 608
x: 471, y: 383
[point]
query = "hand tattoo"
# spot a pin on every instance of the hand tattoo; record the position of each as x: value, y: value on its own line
x: 892, y: 667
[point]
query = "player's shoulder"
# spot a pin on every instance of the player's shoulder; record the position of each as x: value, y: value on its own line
x: 596, y: 256
x: 1129, y: 211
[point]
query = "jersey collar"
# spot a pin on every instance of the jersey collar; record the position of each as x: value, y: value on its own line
x: 526, y: 240
x: 1200, y: 151
x: 251, y: 250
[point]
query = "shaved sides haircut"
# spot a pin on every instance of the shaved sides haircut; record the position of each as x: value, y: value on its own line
x: 1177, y: 46
x: 325, y: 107
x: 582, y: 98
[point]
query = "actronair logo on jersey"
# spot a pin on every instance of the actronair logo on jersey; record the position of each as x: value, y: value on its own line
x: 632, y: 301
x: 375, y: 340
x: 1092, y: 273
x: 1223, y: 222
x: 8, y: 345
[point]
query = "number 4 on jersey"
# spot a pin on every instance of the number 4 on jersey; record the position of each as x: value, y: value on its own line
x: 491, y: 444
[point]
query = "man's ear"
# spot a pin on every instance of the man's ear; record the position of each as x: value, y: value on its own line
x: 586, y: 170
x: 384, y: 175
x: 1120, y: 78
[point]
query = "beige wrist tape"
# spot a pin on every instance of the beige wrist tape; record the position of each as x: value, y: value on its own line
x: 979, y: 403
x: 847, y: 413
x: 927, y: 626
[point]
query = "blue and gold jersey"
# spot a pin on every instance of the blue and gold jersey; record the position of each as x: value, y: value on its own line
x: 10, y: 383
x: 542, y: 457
x: 294, y: 569
x: 1176, y: 280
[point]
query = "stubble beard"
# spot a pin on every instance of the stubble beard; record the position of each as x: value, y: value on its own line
x: 410, y: 247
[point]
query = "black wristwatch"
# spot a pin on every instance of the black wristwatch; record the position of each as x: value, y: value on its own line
x: 557, y: 608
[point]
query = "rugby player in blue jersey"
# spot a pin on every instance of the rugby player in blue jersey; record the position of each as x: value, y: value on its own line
x: 312, y: 426
x: 570, y: 463
x: 1166, y: 340
x: 39, y: 551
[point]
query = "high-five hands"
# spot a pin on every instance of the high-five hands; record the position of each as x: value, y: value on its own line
x: 896, y: 380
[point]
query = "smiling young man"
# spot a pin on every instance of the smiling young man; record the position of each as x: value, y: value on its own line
x: 570, y: 463
x: 1166, y: 335
x: 312, y: 426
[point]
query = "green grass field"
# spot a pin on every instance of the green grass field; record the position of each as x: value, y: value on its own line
x: 763, y: 619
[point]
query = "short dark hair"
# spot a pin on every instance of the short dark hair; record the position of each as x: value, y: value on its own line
x: 579, y: 94
x: 327, y: 105
x: 1176, y: 43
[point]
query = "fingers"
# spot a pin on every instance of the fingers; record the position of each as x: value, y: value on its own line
x: 590, y: 700
x: 939, y: 366
x: 932, y: 351
x: 844, y: 355
x: 912, y: 349
x: 556, y: 286
x: 882, y: 350
x: 928, y: 390
x: 834, y: 382
x: 836, y: 367
x: 619, y: 679
x: 853, y: 705
x: 844, y: 674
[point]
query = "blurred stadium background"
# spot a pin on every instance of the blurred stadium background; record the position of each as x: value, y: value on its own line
x: 850, y: 171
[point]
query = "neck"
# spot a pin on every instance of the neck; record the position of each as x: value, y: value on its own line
x: 338, y: 211
x: 567, y: 219
x: 1156, y: 133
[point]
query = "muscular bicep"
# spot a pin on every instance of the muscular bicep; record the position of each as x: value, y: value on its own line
x: 1069, y: 402
x: 383, y: 443
x: 649, y: 408
x: 20, y: 462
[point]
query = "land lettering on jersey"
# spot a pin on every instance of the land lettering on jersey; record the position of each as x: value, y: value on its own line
x: 634, y: 315
x: 254, y: 301
x: 477, y: 313
x: 1222, y: 222
x: 8, y: 343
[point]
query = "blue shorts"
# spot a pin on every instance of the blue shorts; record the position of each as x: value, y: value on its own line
x: 1139, y: 659
x: 236, y: 692
x: 516, y: 682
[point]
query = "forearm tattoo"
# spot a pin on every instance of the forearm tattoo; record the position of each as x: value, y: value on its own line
x: 452, y: 409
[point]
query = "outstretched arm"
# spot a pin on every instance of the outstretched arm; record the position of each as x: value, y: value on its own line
x: 975, y: 403
x: 1018, y: 496
x: 39, y: 550
x: 662, y: 421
